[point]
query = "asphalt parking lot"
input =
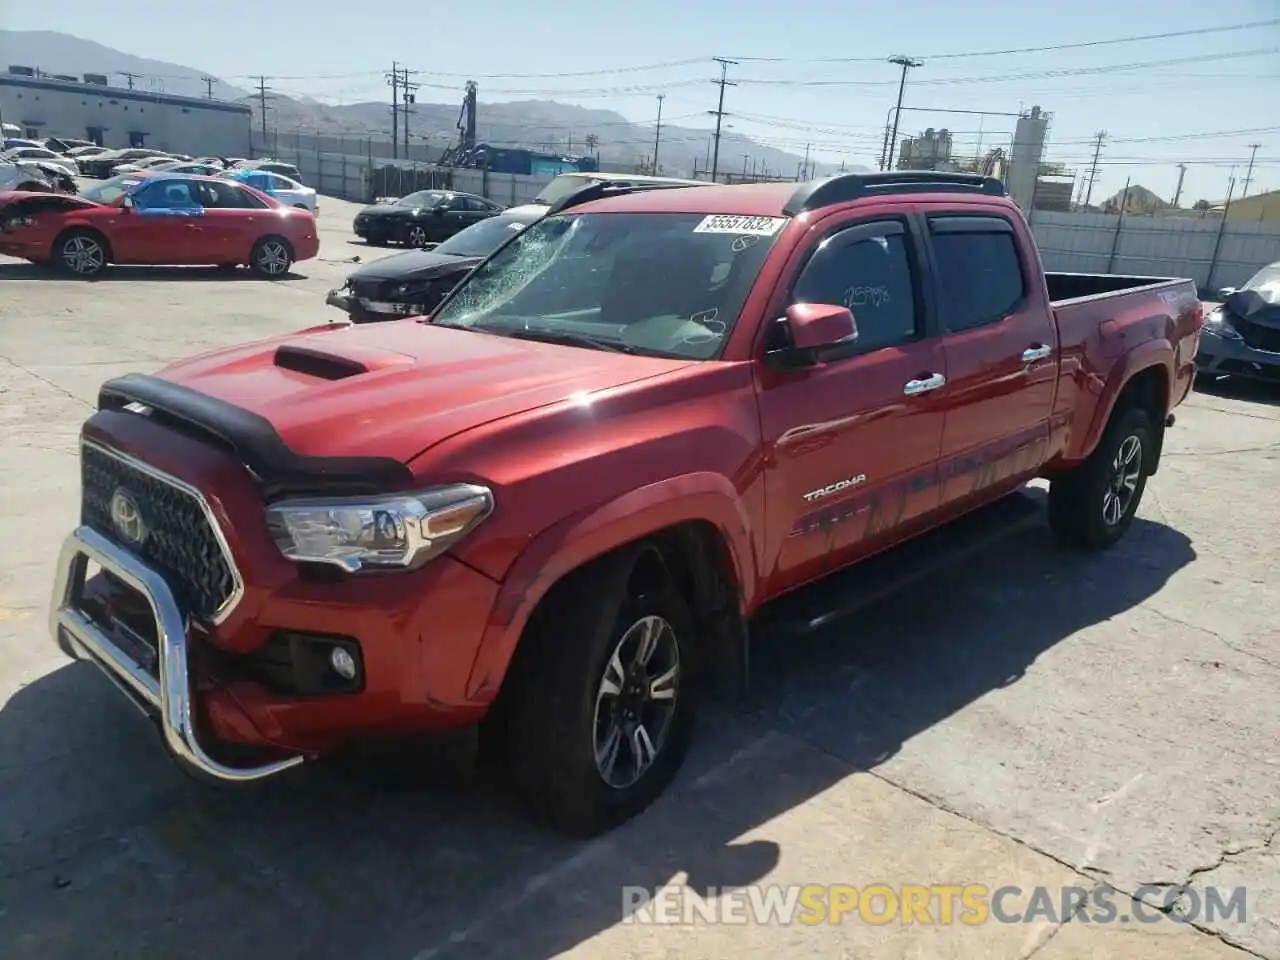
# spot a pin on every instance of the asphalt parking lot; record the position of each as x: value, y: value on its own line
x: 1044, y: 719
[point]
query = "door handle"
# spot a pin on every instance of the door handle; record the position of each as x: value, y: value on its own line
x: 1039, y: 352
x: 924, y: 385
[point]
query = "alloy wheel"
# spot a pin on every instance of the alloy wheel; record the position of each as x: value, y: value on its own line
x: 636, y: 701
x: 83, y: 255
x: 1122, y: 485
x: 417, y: 236
x: 273, y: 258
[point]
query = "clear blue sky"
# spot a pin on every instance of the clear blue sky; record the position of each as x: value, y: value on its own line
x: 1155, y: 115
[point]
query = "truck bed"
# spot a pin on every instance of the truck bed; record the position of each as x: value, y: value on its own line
x: 1068, y: 287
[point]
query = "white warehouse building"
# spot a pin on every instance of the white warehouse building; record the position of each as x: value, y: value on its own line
x: 62, y: 106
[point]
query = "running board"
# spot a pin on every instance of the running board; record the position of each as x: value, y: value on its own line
x: 846, y: 592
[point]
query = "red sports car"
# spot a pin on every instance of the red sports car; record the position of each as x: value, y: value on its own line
x: 157, y: 219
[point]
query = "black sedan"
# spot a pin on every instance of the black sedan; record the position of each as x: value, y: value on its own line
x: 413, y: 283
x: 428, y: 216
x: 1242, y: 335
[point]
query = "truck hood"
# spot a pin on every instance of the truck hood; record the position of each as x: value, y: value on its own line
x: 392, y: 390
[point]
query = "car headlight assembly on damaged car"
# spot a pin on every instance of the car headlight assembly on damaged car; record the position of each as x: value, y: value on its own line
x: 395, y: 532
x: 1217, y: 324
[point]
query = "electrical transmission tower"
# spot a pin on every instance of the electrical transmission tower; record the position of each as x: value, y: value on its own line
x: 718, y: 112
x: 208, y: 86
x: 1248, y: 176
x: 130, y: 77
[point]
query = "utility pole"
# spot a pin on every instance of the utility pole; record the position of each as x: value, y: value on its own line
x: 718, y: 112
x: 208, y: 87
x: 906, y: 63
x: 1093, y: 167
x: 806, y: 162
x: 129, y: 77
x: 408, y: 98
x: 393, y: 78
x: 263, y: 97
x: 657, y: 133
x: 1177, y: 194
x: 1248, y: 177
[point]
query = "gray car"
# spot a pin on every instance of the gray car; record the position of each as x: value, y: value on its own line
x: 1242, y: 334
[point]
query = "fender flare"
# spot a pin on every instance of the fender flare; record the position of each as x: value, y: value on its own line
x: 590, y: 534
x: 1153, y: 353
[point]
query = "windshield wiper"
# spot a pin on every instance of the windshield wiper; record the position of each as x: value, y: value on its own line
x: 567, y: 339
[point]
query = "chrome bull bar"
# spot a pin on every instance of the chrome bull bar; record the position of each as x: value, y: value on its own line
x: 170, y: 697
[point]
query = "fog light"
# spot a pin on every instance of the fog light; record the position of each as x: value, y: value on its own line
x: 344, y: 665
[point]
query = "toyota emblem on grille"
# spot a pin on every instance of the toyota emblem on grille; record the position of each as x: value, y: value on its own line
x: 127, y: 518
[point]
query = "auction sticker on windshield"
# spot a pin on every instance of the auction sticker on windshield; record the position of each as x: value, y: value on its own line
x: 750, y: 226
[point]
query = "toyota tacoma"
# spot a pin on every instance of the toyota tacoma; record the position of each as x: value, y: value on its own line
x: 560, y: 499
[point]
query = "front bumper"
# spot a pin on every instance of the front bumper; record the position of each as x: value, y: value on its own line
x: 364, y: 310
x: 168, y: 693
x: 1219, y: 356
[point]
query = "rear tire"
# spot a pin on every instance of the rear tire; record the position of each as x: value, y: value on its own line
x: 595, y: 730
x: 1092, y: 506
x: 81, y: 253
x: 271, y: 258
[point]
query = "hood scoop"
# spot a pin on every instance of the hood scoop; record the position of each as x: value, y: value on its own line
x: 333, y: 364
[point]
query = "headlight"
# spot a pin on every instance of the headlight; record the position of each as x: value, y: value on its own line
x: 1216, y: 323
x: 396, y: 532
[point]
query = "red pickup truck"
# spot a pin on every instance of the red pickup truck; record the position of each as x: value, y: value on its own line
x: 560, y: 499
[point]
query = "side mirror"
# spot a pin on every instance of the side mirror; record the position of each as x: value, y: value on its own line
x: 441, y: 210
x: 126, y: 203
x: 1226, y: 292
x: 817, y: 332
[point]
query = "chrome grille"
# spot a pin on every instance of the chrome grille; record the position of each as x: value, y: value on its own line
x: 181, y: 544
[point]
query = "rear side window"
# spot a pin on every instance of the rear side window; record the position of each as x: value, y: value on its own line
x: 979, y: 271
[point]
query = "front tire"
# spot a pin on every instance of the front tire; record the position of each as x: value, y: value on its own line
x: 1092, y: 506
x: 271, y: 258
x: 602, y: 709
x: 417, y: 236
x: 81, y: 253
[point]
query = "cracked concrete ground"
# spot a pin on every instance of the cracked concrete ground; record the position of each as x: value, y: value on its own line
x: 1109, y: 723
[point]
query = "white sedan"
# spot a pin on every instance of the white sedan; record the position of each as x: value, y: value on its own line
x: 20, y: 154
x: 285, y: 189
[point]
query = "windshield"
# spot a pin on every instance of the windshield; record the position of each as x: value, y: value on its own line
x: 109, y: 191
x: 1265, y: 280
x: 481, y: 239
x: 665, y: 284
x: 423, y: 198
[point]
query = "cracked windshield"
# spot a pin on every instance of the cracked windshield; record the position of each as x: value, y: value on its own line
x: 589, y: 280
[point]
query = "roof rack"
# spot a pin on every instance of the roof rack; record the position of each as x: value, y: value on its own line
x: 612, y: 188
x: 852, y: 186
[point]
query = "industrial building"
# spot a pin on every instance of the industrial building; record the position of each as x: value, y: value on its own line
x: 45, y: 105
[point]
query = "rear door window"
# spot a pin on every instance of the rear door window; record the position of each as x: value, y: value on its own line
x: 979, y: 270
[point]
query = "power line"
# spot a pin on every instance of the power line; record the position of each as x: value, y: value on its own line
x: 1079, y: 45
x: 718, y: 112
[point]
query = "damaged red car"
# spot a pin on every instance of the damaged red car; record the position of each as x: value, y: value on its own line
x: 159, y: 219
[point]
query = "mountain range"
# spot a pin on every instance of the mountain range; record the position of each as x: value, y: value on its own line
x: 540, y: 124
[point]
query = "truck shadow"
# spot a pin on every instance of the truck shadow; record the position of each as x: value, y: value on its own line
x: 110, y: 851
